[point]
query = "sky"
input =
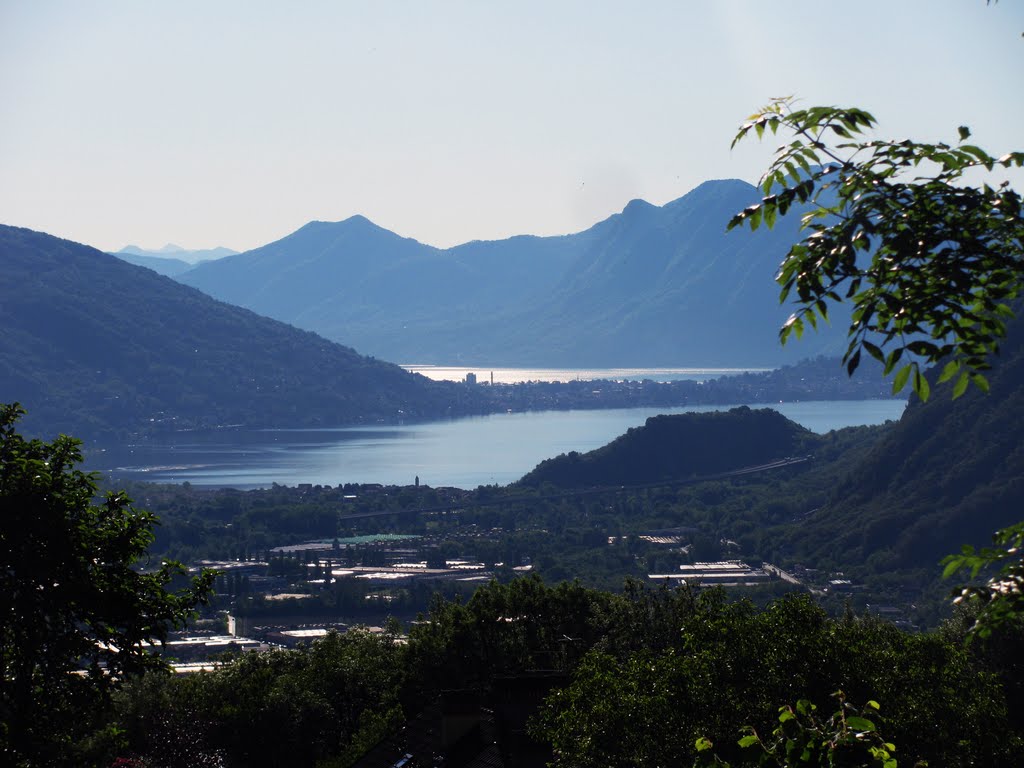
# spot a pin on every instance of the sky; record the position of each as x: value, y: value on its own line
x: 233, y: 123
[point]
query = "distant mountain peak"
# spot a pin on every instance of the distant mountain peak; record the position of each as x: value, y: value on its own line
x: 722, y: 189
x: 171, y: 260
x: 358, y: 221
x: 637, y: 206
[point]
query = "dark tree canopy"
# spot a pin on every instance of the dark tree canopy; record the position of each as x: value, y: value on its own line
x: 77, y: 612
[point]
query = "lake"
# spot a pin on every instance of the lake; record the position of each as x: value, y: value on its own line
x: 462, y: 453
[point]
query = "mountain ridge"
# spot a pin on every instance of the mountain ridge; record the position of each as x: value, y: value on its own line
x: 171, y: 260
x: 613, y: 294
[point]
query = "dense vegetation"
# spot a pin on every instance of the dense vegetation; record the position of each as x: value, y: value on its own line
x: 76, y: 606
x: 645, y: 673
x: 679, y: 447
x: 953, y: 471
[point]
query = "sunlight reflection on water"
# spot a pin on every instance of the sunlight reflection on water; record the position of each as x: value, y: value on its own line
x: 517, y: 375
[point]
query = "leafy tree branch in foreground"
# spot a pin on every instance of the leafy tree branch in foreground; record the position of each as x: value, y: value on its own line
x: 1000, y: 600
x: 930, y: 263
x: 847, y: 738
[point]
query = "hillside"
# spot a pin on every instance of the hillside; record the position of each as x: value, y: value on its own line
x: 648, y: 286
x: 949, y: 473
x: 96, y: 347
x: 883, y: 509
x: 679, y: 447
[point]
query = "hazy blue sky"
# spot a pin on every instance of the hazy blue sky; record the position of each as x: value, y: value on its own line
x: 235, y: 122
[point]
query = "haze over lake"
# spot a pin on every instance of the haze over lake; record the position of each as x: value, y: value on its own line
x: 463, y: 453
x: 484, y: 373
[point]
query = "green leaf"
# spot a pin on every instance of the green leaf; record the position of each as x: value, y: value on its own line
x: 921, y: 385
x: 900, y: 381
x: 852, y: 364
x: 953, y: 564
x: 950, y: 370
x: 891, y: 360
x: 873, y: 350
x: 747, y: 741
x: 860, y: 724
x: 961, y: 385
x: 794, y: 325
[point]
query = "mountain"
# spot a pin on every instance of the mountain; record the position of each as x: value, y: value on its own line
x: 670, y: 284
x: 98, y: 348
x: 648, y: 286
x: 172, y: 251
x: 353, y: 279
x: 171, y: 260
x: 679, y: 447
x: 162, y: 265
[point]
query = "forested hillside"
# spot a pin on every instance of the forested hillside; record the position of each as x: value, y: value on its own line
x: 679, y: 447
x: 951, y: 472
x: 93, y: 346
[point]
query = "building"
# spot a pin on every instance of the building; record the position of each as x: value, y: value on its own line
x: 726, y: 573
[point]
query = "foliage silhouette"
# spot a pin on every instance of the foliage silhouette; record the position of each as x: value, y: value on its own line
x: 77, y: 613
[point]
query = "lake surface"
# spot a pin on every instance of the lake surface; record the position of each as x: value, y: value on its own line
x: 463, y: 453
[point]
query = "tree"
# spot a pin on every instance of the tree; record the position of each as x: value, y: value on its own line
x: 729, y: 665
x: 930, y: 263
x: 76, y: 613
x: 999, y: 601
x: 933, y: 266
x: 322, y: 705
